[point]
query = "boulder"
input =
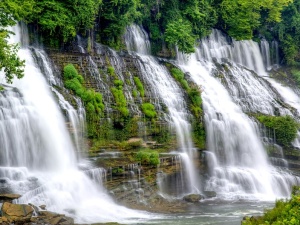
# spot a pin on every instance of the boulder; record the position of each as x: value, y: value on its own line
x: 55, y: 219
x: 210, y: 194
x: 16, y: 213
x: 192, y: 198
x: 8, y: 197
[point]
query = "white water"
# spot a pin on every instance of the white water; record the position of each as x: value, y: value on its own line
x: 164, y: 86
x: 240, y: 168
x: 37, y: 155
x: 258, y: 96
x: 245, y: 53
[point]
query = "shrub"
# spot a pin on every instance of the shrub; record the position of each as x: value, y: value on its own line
x: 148, y: 157
x: 284, y: 212
x: 177, y: 74
x: 70, y: 72
x: 285, y: 127
x: 91, y: 99
x: 121, y: 103
x: 111, y: 71
x: 139, y: 86
x: 149, y: 110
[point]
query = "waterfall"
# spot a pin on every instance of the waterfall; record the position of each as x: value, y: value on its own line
x: 37, y: 157
x: 218, y: 46
x: 240, y: 168
x: 265, y: 51
x: 165, y: 88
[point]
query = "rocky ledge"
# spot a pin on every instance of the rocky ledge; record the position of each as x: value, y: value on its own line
x: 22, y: 214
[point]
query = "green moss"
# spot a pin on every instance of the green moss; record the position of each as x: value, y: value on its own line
x: 285, y: 127
x: 121, y: 103
x: 149, y: 110
x: 134, y: 93
x: 296, y: 75
x: 70, y: 72
x: 148, y: 157
x: 111, y: 71
x: 139, y: 86
x: 91, y: 99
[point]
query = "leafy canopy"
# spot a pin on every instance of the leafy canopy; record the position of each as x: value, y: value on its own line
x: 11, y: 11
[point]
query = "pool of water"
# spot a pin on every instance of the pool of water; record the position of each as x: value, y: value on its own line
x: 212, y: 213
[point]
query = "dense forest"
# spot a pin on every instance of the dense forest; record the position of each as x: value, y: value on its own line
x: 169, y: 23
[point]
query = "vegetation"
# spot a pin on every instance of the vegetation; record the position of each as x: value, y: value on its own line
x: 91, y: 99
x: 148, y: 157
x: 195, y: 103
x: 139, y: 86
x: 175, y: 22
x: 285, y: 127
x: 121, y: 104
x: 12, y: 11
x: 284, y: 212
x: 149, y: 110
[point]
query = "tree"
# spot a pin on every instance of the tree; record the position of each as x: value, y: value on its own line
x: 179, y: 33
x: 11, y: 11
x: 241, y: 17
x: 114, y: 17
x: 62, y: 19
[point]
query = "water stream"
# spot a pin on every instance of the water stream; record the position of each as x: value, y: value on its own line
x: 164, y: 86
x: 37, y: 157
x: 241, y: 169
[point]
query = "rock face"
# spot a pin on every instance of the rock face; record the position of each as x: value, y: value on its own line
x: 15, y: 213
x: 210, y: 194
x: 20, y: 214
x: 192, y: 198
x: 8, y: 197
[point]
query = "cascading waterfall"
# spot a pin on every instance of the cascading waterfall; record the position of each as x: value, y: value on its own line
x: 214, y: 46
x: 265, y: 51
x: 240, y: 168
x: 164, y: 86
x: 76, y: 118
x: 37, y: 157
x: 245, y: 53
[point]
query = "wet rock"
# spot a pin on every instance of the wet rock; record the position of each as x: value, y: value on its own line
x: 8, y: 197
x: 192, y: 198
x: 210, y: 194
x: 16, y: 213
x: 52, y: 218
x: 43, y: 207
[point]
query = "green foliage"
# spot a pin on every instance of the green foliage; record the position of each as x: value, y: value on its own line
x: 148, y: 157
x: 241, y: 17
x: 70, y: 72
x: 199, y: 136
x: 178, y: 22
x: 121, y: 103
x: 92, y: 100
x: 114, y: 17
x: 296, y: 75
x: 63, y: 19
x: 285, y: 127
x: 284, y: 212
x: 139, y: 86
x: 179, y: 33
x: 117, y: 171
x: 149, y: 110
x: 111, y: 71
x: 177, y: 74
x: 12, y: 11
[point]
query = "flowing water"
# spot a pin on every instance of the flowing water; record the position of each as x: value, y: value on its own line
x: 37, y: 156
x: 241, y: 169
x: 164, y: 86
